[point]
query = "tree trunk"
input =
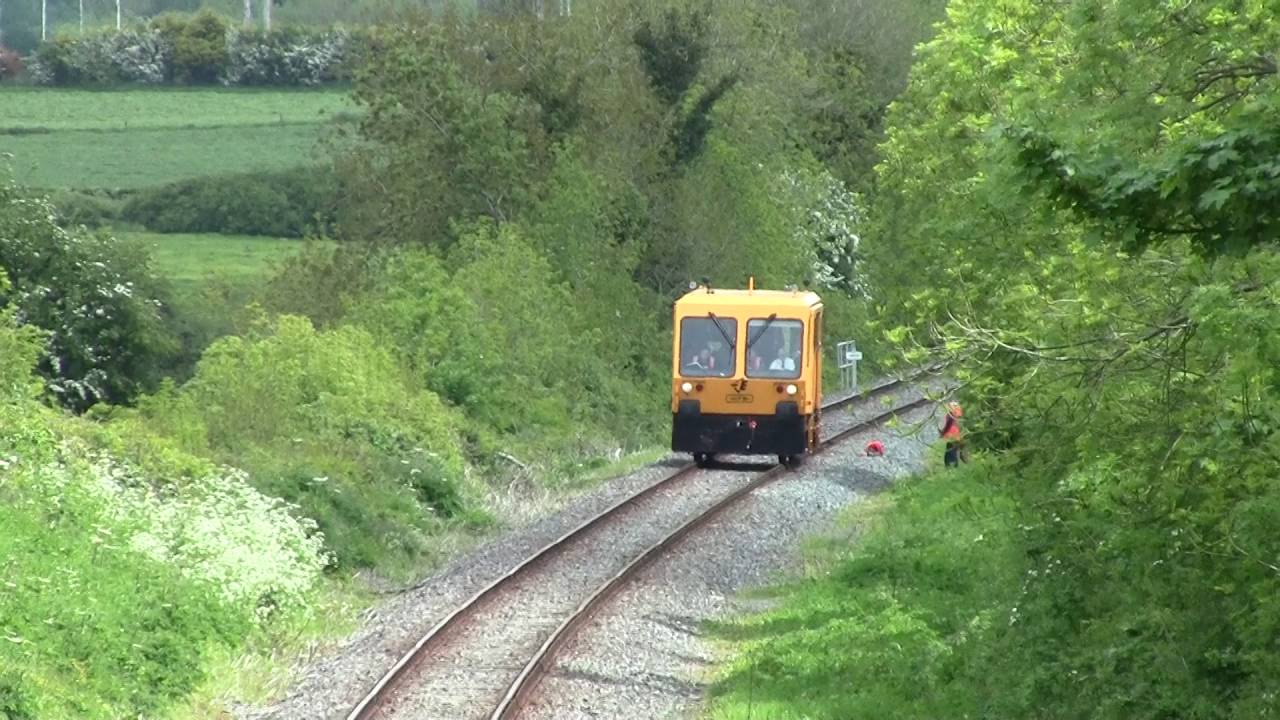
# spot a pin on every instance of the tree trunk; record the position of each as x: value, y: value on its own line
x: 248, y: 14
x: 266, y: 15
x: 118, y: 15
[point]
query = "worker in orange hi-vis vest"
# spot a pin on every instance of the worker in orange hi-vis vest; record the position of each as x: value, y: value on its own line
x: 955, y: 439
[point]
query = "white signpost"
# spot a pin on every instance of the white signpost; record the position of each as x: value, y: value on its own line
x: 847, y: 357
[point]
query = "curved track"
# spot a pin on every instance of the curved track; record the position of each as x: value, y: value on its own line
x: 588, y: 540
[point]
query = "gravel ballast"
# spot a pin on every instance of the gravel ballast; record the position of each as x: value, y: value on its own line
x: 644, y: 655
x: 329, y: 687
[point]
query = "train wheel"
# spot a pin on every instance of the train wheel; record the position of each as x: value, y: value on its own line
x: 790, y: 461
x: 702, y: 459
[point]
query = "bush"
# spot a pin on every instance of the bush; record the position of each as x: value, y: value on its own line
x: 286, y: 57
x: 199, y: 46
x: 87, y: 208
x: 192, y: 50
x: 94, y: 296
x: 119, y: 580
x: 105, y: 58
x: 328, y: 421
x: 292, y: 203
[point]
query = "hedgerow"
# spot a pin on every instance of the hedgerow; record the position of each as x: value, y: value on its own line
x: 118, y: 581
x: 200, y: 49
x: 294, y: 203
x: 329, y: 422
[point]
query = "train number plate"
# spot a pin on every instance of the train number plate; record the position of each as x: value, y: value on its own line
x: 738, y: 399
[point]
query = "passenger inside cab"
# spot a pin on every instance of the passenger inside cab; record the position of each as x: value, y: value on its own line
x: 707, y: 345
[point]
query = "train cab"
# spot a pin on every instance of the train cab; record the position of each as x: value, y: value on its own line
x: 746, y: 373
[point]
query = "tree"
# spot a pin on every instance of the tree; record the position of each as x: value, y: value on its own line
x: 1077, y: 208
x: 93, y: 295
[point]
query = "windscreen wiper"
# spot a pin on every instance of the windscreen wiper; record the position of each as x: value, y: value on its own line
x: 768, y: 321
x: 727, y: 339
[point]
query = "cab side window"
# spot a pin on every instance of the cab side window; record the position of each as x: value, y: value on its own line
x: 775, y: 348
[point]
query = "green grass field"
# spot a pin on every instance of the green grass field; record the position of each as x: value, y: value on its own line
x: 133, y: 138
x: 193, y: 259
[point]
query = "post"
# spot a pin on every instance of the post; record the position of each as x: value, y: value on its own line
x: 118, y: 15
x: 847, y: 357
x: 248, y: 14
x: 81, y: 17
x: 266, y: 15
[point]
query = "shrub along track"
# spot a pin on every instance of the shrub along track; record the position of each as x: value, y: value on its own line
x: 485, y: 657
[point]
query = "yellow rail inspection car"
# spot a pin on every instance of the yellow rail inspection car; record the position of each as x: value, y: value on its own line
x: 746, y: 373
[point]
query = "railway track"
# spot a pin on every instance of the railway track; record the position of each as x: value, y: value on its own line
x: 502, y: 640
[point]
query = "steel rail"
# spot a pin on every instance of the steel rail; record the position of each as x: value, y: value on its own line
x: 520, y: 692
x: 380, y: 693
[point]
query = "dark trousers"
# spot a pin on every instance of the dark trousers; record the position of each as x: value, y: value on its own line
x: 952, y: 455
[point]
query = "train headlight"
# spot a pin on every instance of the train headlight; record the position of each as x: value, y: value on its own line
x: 792, y: 389
x: 686, y: 388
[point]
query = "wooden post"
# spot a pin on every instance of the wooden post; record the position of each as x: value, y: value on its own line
x: 248, y: 14
x: 118, y: 15
x: 266, y: 15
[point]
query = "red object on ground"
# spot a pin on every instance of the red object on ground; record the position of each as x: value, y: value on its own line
x: 875, y: 447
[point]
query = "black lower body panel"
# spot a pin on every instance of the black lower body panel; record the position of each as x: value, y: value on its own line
x: 781, y: 434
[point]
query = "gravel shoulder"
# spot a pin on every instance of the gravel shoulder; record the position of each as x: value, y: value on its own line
x: 645, y: 655
x: 329, y: 686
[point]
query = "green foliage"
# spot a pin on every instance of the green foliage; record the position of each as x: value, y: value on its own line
x: 115, y: 592
x: 87, y: 208
x: 293, y: 203
x: 442, y: 145
x: 932, y: 582
x: 94, y: 296
x: 1088, y: 189
x: 673, y: 51
x: 498, y: 335
x: 199, y: 45
x: 329, y: 422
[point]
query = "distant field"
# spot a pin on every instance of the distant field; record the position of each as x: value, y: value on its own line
x: 188, y: 260
x: 134, y: 138
x: 138, y: 158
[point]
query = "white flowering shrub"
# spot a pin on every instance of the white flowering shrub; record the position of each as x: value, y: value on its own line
x: 828, y: 227
x: 137, y: 56
x: 287, y: 57
x: 218, y: 529
x: 282, y: 57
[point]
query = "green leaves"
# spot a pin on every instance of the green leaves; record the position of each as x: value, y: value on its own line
x: 1089, y: 230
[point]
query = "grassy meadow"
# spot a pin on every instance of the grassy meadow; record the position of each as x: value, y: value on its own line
x: 129, y: 139
x: 191, y: 258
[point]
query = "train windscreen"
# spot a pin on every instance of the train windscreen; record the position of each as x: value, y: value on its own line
x: 775, y: 349
x: 707, y: 346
